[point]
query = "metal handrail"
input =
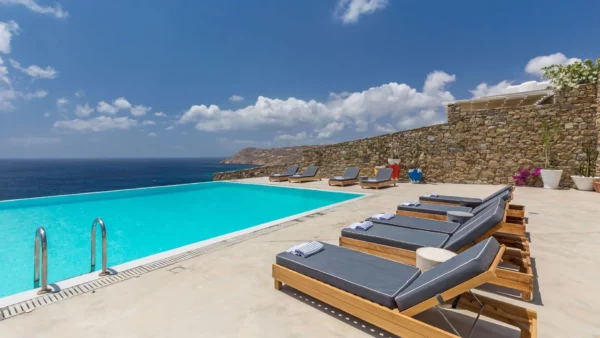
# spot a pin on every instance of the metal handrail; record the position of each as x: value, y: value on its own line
x: 41, y: 241
x: 104, y: 271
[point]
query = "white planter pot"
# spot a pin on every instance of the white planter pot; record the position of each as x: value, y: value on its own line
x: 393, y: 161
x: 551, y: 178
x: 583, y: 183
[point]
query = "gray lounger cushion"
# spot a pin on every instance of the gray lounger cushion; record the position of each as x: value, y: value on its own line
x: 383, y: 175
x: 467, y: 201
x: 350, y: 174
x: 291, y: 170
x: 437, y: 209
x: 398, y: 237
x: 456, y: 270
x: 310, y: 172
x: 476, y: 227
x: 370, y: 277
x: 419, y: 224
x: 504, y: 196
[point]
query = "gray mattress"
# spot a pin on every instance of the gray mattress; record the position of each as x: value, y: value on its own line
x: 437, y: 209
x: 398, y: 237
x: 370, y: 277
x: 419, y: 224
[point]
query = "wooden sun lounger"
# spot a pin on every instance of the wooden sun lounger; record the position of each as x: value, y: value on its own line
x: 303, y: 179
x: 402, y: 323
x: 278, y: 178
x: 510, y: 225
x: 377, y: 185
x: 342, y: 183
x: 517, y: 254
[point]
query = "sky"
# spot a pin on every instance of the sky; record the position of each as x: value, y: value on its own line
x: 186, y: 78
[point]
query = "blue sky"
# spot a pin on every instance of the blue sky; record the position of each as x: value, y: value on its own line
x: 207, y: 78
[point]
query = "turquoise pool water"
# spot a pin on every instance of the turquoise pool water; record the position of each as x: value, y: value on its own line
x: 139, y: 223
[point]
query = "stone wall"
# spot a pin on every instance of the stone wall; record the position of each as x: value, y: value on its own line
x: 250, y: 173
x: 481, y: 146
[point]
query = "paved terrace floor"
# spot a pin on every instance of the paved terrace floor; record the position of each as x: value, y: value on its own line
x: 229, y: 292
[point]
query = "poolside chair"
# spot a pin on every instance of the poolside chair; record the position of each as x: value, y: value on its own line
x: 382, y: 179
x: 310, y: 174
x: 350, y: 177
x: 398, y: 239
x: 511, y: 225
x: 514, y: 210
x: 291, y: 170
x: 389, y: 294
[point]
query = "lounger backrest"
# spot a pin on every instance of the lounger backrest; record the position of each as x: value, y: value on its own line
x: 384, y: 174
x: 311, y: 171
x: 504, y: 196
x: 291, y: 170
x: 476, y: 227
x: 352, y: 172
x: 497, y: 193
x: 451, y: 273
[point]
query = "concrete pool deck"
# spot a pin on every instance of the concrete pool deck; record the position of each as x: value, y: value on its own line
x: 229, y: 292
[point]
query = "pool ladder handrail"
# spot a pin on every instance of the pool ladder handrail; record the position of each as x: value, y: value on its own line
x: 41, y: 241
x: 100, y: 223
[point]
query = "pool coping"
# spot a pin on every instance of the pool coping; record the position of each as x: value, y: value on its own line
x: 27, y: 301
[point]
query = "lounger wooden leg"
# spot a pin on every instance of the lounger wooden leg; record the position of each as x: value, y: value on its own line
x: 278, y: 285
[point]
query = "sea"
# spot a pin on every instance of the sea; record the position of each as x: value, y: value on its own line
x: 25, y: 178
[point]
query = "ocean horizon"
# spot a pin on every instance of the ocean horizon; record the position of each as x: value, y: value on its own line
x: 39, y: 177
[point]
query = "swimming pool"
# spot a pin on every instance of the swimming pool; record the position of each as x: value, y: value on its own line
x: 139, y: 223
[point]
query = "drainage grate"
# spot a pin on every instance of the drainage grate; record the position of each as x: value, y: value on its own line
x: 47, y: 299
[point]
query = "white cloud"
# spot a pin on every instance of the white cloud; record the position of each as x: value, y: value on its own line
x: 33, y: 140
x: 79, y: 93
x: 386, y: 128
x: 6, y: 98
x: 106, y: 108
x: 236, y: 98
x: 361, y: 126
x: 140, y: 110
x: 3, y: 73
x: 407, y: 123
x: 169, y: 128
x: 359, y: 108
x: 535, y: 65
x: 7, y: 30
x: 148, y: 123
x: 84, y: 110
x: 506, y: 87
x: 160, y: 114
x: 46, y: 114
x: 152, y: 134
x: 121, y: 103
x: 349, y: 11
x: 36, y: 71
x: 32, y: 5
x: 100, y: 123
x: 61, y: 104
x: 330, y: 130
x: 38, y: 94
x: 292, y: 138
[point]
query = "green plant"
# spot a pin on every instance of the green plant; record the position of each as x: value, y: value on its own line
x: 415, y: 154
x: 591, y: 155
x: 548, y: 138
x: 574, y: 74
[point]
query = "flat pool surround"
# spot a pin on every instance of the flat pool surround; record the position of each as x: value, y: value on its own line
x: 140, y: 223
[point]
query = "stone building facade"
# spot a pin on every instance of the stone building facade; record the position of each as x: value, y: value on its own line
x: 475, y: 146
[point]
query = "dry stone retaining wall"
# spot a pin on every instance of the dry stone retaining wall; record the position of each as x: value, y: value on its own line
x: 481, y: 146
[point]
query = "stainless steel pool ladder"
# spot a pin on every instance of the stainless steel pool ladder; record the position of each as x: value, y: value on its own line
x: 41, y: 241
x: 100, y: 223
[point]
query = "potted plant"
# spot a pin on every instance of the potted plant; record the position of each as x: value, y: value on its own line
x: 596, y: 183
x: 549, y: 138
x: 584, y: 181
x: 415, y: 174
x: 394, y: 152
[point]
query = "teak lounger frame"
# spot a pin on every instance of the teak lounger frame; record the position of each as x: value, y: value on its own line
x: 510, y: 224
x: 342, y: 183
x: 377, y: 185
x: 278, y: 178
x: 518, y: 255
x: 402, y: 323
x: 303, y: 179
